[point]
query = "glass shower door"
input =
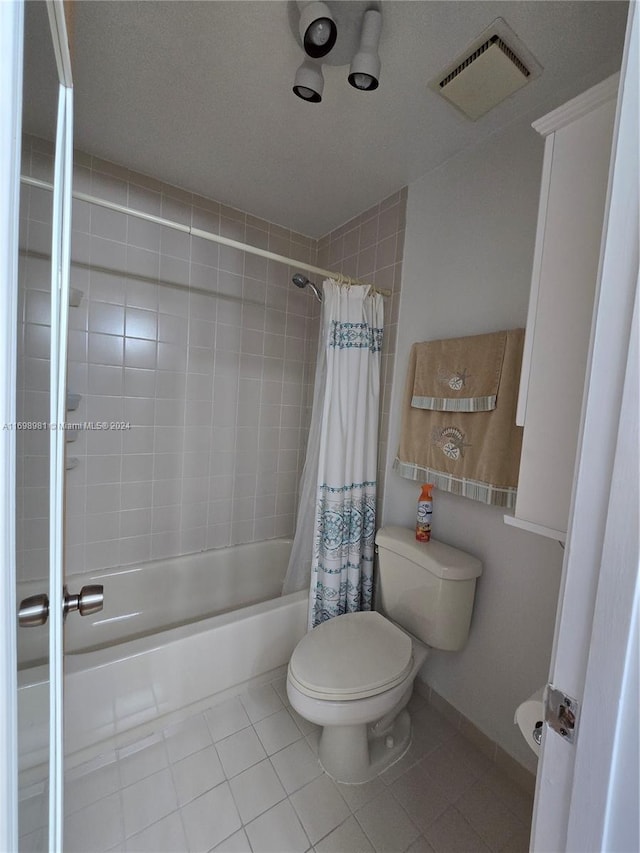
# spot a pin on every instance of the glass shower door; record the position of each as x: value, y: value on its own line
x: 43, y: 294
x: 33, y: 403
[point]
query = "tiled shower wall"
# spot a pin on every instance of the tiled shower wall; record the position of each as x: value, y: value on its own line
x: 205, y: 350
x: 208, y: 352
x: 370, y: 247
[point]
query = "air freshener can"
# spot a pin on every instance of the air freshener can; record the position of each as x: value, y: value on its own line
x: 425, y: 510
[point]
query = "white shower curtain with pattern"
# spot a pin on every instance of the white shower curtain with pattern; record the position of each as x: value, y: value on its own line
x: 335, y: 533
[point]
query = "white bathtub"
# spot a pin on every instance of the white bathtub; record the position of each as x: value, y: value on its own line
x: 172, y: 633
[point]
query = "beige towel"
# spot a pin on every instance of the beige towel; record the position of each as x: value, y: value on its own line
x: 459, y: 374
x: 474, y: 454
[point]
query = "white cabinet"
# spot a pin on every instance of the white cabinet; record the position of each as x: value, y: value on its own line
x: 575, y: 175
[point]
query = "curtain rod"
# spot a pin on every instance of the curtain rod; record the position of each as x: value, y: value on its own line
x: 207, y: 235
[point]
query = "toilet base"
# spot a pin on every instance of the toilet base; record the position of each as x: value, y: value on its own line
x: 358, y: 753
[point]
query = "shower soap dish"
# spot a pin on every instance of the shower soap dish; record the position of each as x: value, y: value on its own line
x: 73, y: 401
x: 75, y: 297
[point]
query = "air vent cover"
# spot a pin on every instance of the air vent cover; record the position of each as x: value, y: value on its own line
x: 493, y: 67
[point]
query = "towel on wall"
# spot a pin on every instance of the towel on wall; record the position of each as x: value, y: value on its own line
x: 475, y: 454
x: 459, y: 374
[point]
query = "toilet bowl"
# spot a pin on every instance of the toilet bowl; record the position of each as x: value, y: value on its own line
x: 353, y: 675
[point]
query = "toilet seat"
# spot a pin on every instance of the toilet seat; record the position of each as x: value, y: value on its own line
x: 352, y: 656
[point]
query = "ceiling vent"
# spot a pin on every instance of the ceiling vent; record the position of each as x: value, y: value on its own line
x: 493, y: 67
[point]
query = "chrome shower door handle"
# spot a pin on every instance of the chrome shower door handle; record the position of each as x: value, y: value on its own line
x: 33, y: 611
x: 89, y: 600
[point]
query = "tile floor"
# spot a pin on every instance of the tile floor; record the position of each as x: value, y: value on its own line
x: 243, y: 776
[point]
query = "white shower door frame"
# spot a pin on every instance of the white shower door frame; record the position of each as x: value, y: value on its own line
x: 11, y: 93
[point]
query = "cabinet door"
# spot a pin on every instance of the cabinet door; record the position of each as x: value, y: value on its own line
x: 567, y: 252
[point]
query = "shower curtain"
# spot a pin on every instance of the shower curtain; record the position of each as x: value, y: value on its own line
x: 334, y: 541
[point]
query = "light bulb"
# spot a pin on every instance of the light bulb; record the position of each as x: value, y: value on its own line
x: 320, y: 32
x: 361, y: 81
x: 304, y: 92
x: 317, y: 28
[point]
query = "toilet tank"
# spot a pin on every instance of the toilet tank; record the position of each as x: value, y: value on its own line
x: 426, y: 587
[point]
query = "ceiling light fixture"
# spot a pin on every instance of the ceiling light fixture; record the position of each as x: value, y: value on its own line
x: 309, y: 82
x: 318, y: 29
x: 364, y: 73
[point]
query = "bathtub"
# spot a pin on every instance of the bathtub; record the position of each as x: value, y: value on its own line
x: 172, y: 633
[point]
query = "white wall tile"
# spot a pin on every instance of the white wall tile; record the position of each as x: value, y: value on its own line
x: 141, y: 324
x: 135, y: 523
x: 106, y: 349
x: 140, y: 353
x: 135, y: 495
x: 172, y: 329
x: 191, y: 343
x: 139, y: 382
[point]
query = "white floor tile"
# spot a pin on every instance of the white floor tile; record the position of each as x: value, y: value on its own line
x: 167, y: 791
x: 33, y: 812
x: 136, y: 764
x: 165, y: 836
x: 479, y: 763
x: 451, y: 832
x: 296, y: 765
x: 226, y: 719
x: 517, y: 800
x: 261, y: 701
x: 236, y: 843
x: 197, y: 773
x: 96, y: 828
x: 421, y: 845
x: 34, y: 842
x: 240, y: 751
x: 256, y: 790
x: 280, y: 686
x: 347, y: 837
x: 449, y: 770
x: 421, y: 796
x: 74, y: 771
x: 210, y: 819
x: 430, y: 728
x: 186, y: 737
x: 320, y: 808
x: 357, y: 795
x: 147, y: 801
x: 386, y: 824
x: 488, y: 815
x: 277, y: 831
x: 83, y: 790
x: 277, y: 731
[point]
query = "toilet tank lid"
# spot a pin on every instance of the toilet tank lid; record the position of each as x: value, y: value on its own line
x: 441, y: 560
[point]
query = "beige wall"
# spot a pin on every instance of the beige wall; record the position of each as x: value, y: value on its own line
x: 467, y: 267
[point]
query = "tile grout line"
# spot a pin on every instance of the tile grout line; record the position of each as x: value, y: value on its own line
x: 478, y: 781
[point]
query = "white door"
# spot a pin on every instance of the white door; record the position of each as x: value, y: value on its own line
x: 581, y: 788
x: 36, y: 289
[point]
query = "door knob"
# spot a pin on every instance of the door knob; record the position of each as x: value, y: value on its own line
x: 89, y: 600
x: 33, y: 611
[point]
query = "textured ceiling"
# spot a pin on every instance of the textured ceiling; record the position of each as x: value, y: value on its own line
x: 199, y: 95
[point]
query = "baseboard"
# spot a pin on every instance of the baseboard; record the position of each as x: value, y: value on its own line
x: 523, y: 777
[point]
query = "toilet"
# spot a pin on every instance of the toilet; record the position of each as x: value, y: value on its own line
x: 353, y: 675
